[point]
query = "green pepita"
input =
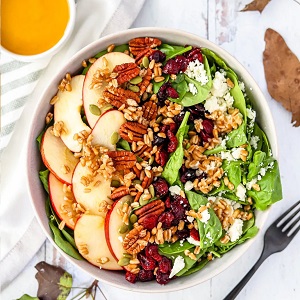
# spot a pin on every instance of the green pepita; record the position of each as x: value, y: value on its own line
x: 151, y: 160
x: 139, y: 159
x: 136, y: 80
x: 143, y: 201
x: 123, y: 229
x: 136, y: 181
x: 124, y: 261
x: 151, y: 190
x: 106, y: 107
x: 134, y: 88
x: 127, y: 255
x: 95, y: 110
x: 115, y: 183
x: 188, y: 145
x: 114, y: 138
x: 159, y: 119
x: 133, y: 218
x: 145, y: 62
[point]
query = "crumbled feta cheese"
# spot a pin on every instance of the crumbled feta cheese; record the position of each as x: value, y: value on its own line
x: 174, y: 190
x: 188, y: 185
x: 262, y: 172
x: 253, y: 141
x: 199, y: 172
x: 193, y: 89
x: 190, y: 219
x: 226, y: 155
x: 250, y: 184
x: 241, y: 192
x: 192, y: 241
x: 208, y: 235
x: 219, y: 85
x: 211, y: 166
x: 235, y: 230
x: 179, y: 264
x: 236, y: 153
x: 251, y: 114
x: 196, y: 70
x: 205, y: 216
x: 242, y: 86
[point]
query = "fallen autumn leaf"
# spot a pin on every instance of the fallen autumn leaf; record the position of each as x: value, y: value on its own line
x: 256, y: 5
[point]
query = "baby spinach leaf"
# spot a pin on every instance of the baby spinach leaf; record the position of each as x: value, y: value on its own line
x: 263, y: 143
x: 54, y: 282
x: 237, y: 137
x: 181, y: 87
x: 174, y: 163
x: 210, y: 231
x: 233, y: 170
x: 189, y: 263
x: 197, y: 267
x: 215, y: 150
x: 44, y: 179
x: 157, y: 85
x: 270, y: 189
x: 257, y: 163
x: 175, y: 248
x: 172, y: 51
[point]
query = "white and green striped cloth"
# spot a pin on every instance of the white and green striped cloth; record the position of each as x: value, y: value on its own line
x: 21, y: 86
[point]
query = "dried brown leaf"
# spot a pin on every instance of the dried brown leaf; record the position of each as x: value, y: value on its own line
x: 256, y: 5
x: 282, y: 72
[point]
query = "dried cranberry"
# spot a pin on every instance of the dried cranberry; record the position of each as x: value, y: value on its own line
x: 161, y: 187
x: 166, y: 219
x: 182, y: 62
x: 204, y: 136
x: 173, y: 127
x: 152, y: 251
x: 179, y: 118
x: 163, y: 157
x: 168, y: 202
x: 145, y: 275
x: 171, y: 67
x: 162, y: 94
x: 149, y: 222
x: 130, y: 277
x: 208, y: 126
x: 183, y: 201
x: 165, y: 128
x: 172, y: 93
x: 173, y: 142
x: 158, y: 56
x: 147, y: 263
x: 194, y: 54
x: 188, y: 175
x: 183, y: 234
x: 197, y: 111
x: 157, y: 140
x: 195, y: 234
x: 178, y: 211
x: 162, y: 278
x: 165, y: 265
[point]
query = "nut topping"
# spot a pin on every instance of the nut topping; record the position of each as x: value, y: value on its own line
x: 126, y: 72
x: 133, y: 131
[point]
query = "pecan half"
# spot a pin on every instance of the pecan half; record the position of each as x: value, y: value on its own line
x: 122, y: 159
x: 132, y: 131
x: 141, y: 153
x: 149, y: 110
x: 146, y: 52
x: 119, y: 192
x: 145, y: 82
x: 136, y: 240
x: 136, y: 45
x: 118, y: 96
x: 126, y: 72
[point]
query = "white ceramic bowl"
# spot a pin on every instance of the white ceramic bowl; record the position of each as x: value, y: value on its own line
x: 34, y: 162
x: 53, y: 50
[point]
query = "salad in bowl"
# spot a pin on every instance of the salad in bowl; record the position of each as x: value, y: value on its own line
x: 154, y: 162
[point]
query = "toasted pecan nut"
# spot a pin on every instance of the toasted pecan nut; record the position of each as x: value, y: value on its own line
x: 132, y: 131
x: 145, y: 82
x: 118, y: 96
x: 119, y: 192
x: 146, y: 52
x: 136, y: 45
x: 149, y: 110
x: 136, y: 171
x: 126, y: 72
x: 122, y: 159
x: 152, y: 207
x: 141, y: 153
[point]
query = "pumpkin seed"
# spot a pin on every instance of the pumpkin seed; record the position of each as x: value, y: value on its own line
x: 142, y: 201
x: 151, y: 160
x: 124, y: 261
x: 159, y: 119
x: 95, y: 110
x: 134, y: 88
x: 136, y: 80
x: 188, y: 145
x: 106, y: 107
x: 133, y: 218
x: 123, y: 229
x: 127, y: 255
x: 151, y: 190
x: 136, y: 181
x: 114, y: 138
x: 115, y: 183
x: 145, y: 62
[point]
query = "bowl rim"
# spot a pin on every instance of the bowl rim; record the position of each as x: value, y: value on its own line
x: 150, y: 31
x: 51, y: 51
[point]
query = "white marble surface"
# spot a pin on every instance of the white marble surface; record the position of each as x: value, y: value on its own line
x: 242, y: 35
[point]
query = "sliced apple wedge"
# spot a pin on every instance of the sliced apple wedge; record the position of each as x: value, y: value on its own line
x: 92, y: 95
x: 91, y: 197
x: 67, y: 109
x: 62, y: 208
x: 89, y: 235
x: 109, y: 123
x: 57, y: 157
x: 113, y: 225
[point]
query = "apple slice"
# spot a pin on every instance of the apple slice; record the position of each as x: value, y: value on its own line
x: 92, y: 95
x: 62, y: 208
x: 57, y: 157
x: 89, y: 235
x: 113, y: 223
x: 67, y: 109
x: 90, y: 197
x: 109, y: 123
